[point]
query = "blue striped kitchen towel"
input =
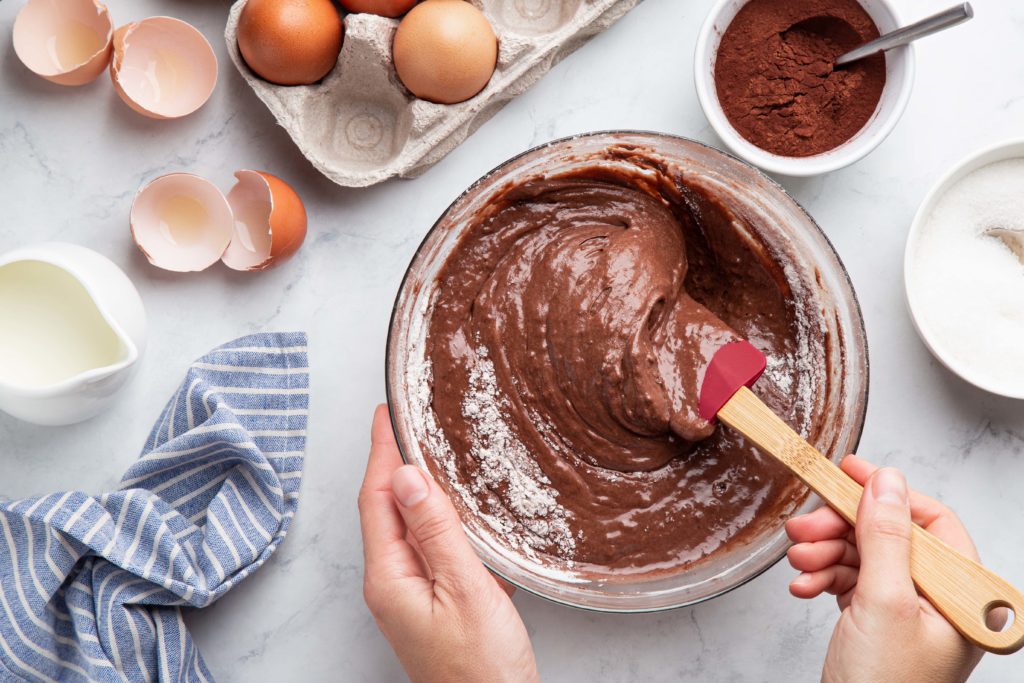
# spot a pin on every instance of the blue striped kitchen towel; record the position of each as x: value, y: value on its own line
x: 92, y: 587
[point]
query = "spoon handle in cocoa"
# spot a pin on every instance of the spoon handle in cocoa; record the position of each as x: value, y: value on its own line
x: 901, y: 36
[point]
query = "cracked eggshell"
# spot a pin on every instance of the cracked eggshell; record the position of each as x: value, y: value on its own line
x: 65, y: 41
x: 181, y: 222
x: 270, y: 221
x: 163, y: 68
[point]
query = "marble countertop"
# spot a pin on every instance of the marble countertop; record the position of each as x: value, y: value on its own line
x: 72, y: 159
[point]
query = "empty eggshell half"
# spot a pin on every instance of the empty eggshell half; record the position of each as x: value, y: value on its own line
x: 181, y: 222
x: 270, y: 221
x: 163, y: 67
x: 64, y: 41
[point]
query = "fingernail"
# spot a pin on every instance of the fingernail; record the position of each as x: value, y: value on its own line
x: 889, y: 486
x: 409, y: 485
x: 802, y: 580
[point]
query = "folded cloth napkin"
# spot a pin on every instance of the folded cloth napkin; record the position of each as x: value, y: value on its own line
x: 92, y: 587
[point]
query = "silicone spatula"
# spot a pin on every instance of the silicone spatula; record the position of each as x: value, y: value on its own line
x: 962, y: 590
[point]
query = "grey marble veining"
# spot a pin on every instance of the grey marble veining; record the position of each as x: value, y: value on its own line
x: 72, y: 159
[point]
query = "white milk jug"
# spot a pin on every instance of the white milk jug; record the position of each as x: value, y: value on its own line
x: 72, y: 327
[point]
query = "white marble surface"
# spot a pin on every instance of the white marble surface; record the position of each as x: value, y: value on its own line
x: 71, y: 160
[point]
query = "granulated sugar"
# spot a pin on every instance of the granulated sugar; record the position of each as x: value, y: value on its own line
x: 967, y: 287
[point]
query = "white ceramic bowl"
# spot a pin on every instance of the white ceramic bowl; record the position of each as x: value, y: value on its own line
x: 899, y: 75
x: 1012, y: 149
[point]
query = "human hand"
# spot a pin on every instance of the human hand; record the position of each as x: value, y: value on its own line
x: 886, y: 631
x: 445, y: 615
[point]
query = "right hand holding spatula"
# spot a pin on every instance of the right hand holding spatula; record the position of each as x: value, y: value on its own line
x: 886, y: 632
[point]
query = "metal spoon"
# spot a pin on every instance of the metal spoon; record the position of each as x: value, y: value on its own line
x: 902, y: 36
x: 1013, y: 239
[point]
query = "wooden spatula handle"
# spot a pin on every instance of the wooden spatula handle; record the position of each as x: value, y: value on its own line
x: 960, y: 588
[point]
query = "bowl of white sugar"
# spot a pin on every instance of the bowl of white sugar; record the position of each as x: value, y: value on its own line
x: 964, y: 269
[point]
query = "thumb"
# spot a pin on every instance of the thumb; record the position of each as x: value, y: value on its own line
x: 883, y: 541
x: 433, y: 522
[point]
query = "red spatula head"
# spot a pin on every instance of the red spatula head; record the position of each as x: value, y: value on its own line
x: 734, y: 365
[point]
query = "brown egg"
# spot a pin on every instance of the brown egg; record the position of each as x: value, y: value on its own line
x: 290, y: 42
x: 445, y: 51
x: 385, y: 8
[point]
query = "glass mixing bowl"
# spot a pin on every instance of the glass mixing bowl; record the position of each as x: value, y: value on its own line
x: 783, y: 225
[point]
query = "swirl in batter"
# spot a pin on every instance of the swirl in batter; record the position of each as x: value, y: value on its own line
x: 570, y: 330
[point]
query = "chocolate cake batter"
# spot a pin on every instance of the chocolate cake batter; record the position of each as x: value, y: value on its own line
x: 776, y: 81
x: 570, y: 330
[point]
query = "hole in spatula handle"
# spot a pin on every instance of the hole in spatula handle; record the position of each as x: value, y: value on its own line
x: 999, y: 616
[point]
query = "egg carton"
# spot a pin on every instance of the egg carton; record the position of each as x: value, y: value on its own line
x: 360, y: 126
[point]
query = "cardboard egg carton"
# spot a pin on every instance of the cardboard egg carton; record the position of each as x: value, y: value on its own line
x: 360, y: 126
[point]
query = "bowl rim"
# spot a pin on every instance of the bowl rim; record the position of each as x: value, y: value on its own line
x: 1011, y: 148
x: 858, y: 147
x: 813, y: 498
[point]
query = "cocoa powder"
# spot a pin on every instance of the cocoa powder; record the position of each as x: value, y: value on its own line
x: 776, y: 81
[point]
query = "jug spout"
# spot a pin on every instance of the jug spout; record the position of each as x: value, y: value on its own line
x: 73, y: 330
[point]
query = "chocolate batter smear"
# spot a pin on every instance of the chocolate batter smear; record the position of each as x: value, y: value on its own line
x: 570, y: 329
